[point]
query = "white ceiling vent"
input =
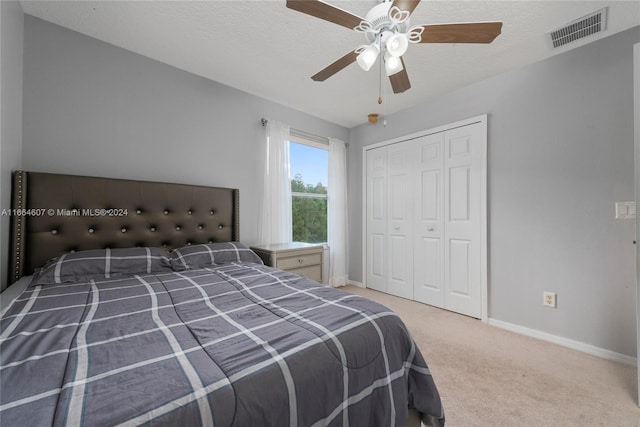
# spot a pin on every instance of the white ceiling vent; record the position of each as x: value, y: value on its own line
x: 593, y: 23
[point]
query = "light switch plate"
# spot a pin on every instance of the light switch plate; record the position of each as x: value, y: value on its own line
x: 625, y: 210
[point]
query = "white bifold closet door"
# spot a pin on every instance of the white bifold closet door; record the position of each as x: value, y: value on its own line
x: 389, y: 219
x: 423, y: 219
x: 429, y: 212
x: 399, y: 223
x: 376, y: 219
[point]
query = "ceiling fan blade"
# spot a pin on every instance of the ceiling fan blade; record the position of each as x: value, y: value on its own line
x: 326, y: 11
x: 335, y: 67
x: 400, y: 80
x: 408, y: 5
x: 476, y: 32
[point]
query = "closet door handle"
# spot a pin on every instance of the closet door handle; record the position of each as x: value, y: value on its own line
x: 430, y: 229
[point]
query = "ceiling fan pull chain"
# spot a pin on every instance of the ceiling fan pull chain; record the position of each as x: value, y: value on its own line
x: 380, y: 75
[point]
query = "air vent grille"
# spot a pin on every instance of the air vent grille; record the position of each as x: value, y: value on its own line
x: 593, y: 23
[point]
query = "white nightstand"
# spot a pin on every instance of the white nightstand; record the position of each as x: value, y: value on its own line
x: 304, y: 259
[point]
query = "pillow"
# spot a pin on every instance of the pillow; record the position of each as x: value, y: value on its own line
x: 102, y: 264
x: 199, y: 256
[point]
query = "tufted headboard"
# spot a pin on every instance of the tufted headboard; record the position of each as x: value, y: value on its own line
x: 53, y: 214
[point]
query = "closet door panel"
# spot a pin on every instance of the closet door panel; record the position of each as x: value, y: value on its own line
x: 376, y: 218
x: 430, y: 195
x: 428, y: 223
x: 459, y: 272
x: 459, y: 194
x: 397, y: 257
x: 428, y: 252
x: 378, y: 205
x: 462, y: 165
x: 399, y: 227
x: 377, y: 252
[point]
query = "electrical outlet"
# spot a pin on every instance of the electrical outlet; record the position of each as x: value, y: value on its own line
x: 549, y: 299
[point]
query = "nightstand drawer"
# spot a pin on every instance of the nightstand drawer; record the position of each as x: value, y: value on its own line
x: 289, y: 263
x: 313, y: 272
x: 304, y: 259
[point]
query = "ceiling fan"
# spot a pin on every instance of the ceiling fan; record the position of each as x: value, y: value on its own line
x: 388, y: 33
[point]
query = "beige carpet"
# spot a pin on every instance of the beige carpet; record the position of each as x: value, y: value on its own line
x: 491, y: 377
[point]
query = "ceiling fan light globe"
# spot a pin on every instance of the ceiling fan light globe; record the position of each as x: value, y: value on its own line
x: 368, y: 57
x: 397, y: 44
x: 392, y: 64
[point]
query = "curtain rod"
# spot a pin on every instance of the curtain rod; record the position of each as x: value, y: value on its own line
x: 302, y: 134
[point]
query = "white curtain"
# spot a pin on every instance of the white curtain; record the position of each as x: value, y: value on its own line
x: 337, y: 213
x: 275, y: 220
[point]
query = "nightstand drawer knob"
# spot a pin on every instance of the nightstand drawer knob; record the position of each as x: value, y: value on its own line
x: 300, y: 260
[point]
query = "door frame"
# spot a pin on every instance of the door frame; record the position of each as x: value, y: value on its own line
x: 482, y: 120
x: 636, y: 147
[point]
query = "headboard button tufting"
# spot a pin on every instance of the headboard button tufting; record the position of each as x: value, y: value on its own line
x: 36, y: 240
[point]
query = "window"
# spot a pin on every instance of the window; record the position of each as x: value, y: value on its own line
x: 309, y: 170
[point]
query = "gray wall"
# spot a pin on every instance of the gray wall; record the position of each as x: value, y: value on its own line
x: 92, y: 108
x: 560, y: 154
x: 11, y: 40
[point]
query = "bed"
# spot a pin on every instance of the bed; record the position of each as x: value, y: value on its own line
x: 135, y: 303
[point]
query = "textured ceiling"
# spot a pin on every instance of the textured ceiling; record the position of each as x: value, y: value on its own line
x: 265, y: 49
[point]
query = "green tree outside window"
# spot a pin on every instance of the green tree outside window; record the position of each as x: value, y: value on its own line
x: 309, y: 211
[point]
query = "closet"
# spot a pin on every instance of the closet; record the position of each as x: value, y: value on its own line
x: 425, y: 217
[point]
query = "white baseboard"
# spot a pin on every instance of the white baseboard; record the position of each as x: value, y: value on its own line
x: 565, y: 342
x: 545, y: 336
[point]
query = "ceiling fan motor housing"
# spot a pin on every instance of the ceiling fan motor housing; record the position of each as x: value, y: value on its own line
x: 381, y: 23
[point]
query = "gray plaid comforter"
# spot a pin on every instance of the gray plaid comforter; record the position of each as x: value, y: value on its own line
x: 231, y: 345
